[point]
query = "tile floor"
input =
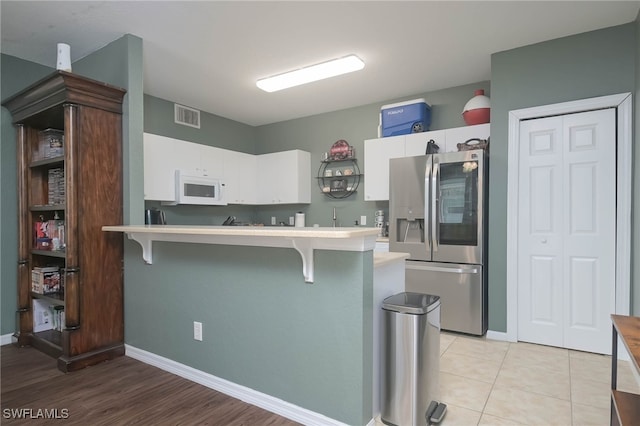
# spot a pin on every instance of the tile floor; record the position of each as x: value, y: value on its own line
x: 487, y: 382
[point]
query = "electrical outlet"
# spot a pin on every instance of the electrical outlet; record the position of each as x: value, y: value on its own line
x: 197, y: 331
x: 273, y: 220
x: 363, y: 220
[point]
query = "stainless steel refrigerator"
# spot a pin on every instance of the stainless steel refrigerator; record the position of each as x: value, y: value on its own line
x: 437, y: 209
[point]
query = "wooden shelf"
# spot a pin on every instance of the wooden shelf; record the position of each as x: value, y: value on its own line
x: 53, y: 298
x: 86, y: 196
x: 625, y: 406
x: 48, y: 207
x: 48, y: 162
x: 51, y: 253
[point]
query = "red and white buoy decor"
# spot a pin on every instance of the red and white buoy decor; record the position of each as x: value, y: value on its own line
x: 478, y: 109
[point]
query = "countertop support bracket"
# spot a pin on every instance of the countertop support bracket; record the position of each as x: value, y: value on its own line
x: 305, y: 248
x: 146, y: 242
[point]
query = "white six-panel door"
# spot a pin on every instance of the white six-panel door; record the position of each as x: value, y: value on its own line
x: 566, y: 232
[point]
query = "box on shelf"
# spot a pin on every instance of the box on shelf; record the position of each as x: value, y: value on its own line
x: 403, y: 118
x: 53, y: 142
x: 42, y: 316
x: 46, y: 280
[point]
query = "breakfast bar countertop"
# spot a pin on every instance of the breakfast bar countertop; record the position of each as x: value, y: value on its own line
x: 303, y: 239
x: 257, y: 231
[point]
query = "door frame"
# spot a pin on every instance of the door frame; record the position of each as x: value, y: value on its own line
x: 623, y: 105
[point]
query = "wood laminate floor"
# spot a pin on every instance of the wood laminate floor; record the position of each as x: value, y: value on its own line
x: 123, y: 391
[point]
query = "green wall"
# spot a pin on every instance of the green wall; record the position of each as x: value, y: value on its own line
x: 587, y: 65
x: 16, y: 74
x: 263, y: 326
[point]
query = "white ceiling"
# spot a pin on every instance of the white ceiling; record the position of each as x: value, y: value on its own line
x: 208, y: 54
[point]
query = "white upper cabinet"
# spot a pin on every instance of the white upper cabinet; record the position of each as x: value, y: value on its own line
x: 378, y: 152
x: 241, y: 177
x: 212, y: 161
x: 277, y: 178
x: 284, y: 177
x: 159, y: 168
x: 195, y: 157
x: 164, y: 155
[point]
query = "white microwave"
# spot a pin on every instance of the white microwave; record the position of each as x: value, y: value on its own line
x: 199, y: 188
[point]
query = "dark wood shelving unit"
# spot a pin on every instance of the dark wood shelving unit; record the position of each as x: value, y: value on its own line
x: 625, y: 406
x: 79, y: 183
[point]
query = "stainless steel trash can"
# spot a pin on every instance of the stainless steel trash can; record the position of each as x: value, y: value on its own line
x: 411, y: 358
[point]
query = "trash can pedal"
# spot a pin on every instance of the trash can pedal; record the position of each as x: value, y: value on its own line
x: 435, y: 412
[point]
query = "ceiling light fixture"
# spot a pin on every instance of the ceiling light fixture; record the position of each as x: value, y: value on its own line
x: 311, y: 73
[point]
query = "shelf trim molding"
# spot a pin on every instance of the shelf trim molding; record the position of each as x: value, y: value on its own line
x: 304, y: 240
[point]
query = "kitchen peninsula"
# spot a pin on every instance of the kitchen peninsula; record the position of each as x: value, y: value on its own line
x: 287, y: 314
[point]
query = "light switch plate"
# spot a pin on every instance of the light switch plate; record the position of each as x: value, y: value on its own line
x: 363, y: 220
x: 197, y: 331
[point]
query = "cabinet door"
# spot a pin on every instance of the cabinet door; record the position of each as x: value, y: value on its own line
x: 377, y: 153
x: 416, y: 143
x: 159, y: 168
x: 186, y: 156
x: 284, y: 178
x: 241, y: 177
x: 211, y: 161
x: 458, y: 135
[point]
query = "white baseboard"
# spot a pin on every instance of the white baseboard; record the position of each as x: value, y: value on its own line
x: 497, y: 335
x: 243, y: 393
x: 7, y: 339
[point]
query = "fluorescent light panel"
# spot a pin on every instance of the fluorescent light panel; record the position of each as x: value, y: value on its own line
x: 312, y: 73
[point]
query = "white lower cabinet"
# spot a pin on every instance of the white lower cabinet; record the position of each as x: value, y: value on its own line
x: 284, y: 177
x: 378, y: 152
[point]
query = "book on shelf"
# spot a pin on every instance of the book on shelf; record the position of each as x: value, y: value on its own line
x: 56, y: 186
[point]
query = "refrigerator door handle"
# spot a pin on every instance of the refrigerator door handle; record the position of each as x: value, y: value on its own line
x: 434, y: 205
x: 428, y: 199
x: 456, y: 270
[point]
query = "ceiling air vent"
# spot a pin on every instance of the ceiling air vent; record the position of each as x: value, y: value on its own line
x: 186, y: 116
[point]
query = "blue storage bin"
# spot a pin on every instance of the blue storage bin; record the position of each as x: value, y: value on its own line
x: 405, y: 117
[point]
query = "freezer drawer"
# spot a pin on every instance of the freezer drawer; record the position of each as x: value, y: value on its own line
x: 462, y: 292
